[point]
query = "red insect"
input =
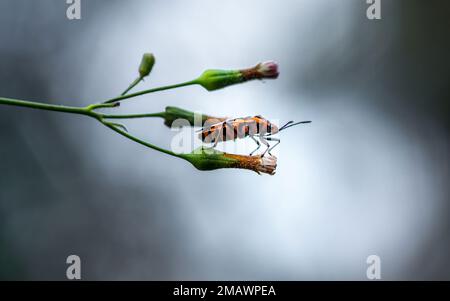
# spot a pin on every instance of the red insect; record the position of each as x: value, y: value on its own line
x: 238, y: 128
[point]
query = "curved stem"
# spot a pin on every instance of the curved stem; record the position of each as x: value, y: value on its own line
x: 123, y: 97
x: 135, y: 139
x: 88, y: 111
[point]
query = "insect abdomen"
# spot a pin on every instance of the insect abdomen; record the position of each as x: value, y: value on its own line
x: 235, y: 129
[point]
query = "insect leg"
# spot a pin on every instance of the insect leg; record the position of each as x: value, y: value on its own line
x: 264, y: 141
x: 273, y: 139
x: 216, y: 139
x: 257, y: 142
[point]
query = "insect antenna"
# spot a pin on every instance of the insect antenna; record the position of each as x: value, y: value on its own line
x: 288, y: 123
x: 291, y: 124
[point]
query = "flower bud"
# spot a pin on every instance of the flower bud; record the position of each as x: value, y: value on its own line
x: 210, y: 159
x: 260, y: 164
x: 146, y: 66
x: 217, y: 79
x: 268, y: 69
x: 265, y: 70
x: 173, y: 113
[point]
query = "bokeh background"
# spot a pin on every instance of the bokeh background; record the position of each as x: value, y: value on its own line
x: 369, y: 176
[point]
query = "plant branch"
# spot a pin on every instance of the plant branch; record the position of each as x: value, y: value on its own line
x: 132, y: 85
x: 102, y: 105
x: 88, y: 111
x: 47, y: 107
x: 132, y: 116
x: 135, y: 139
x: 202, y: 158
x: 123, y: 97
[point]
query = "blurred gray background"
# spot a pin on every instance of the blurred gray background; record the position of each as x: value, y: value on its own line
x: 369, y: 175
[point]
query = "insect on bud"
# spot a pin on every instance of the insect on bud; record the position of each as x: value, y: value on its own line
x: 146, y: 66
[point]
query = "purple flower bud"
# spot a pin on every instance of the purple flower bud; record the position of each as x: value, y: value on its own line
x: 263, y: 70
x: 268, y: 69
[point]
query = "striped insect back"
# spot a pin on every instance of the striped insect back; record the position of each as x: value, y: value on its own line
x: 233, y: 129
x: 259, y: 129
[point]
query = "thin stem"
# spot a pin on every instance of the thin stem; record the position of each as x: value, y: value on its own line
x: 131, y: 116
x: 132, y: 85
x: 88, y: 111
x: 135, y: 139
x: 44, y: 106
x: 123, y: 97
x: 102, y: 105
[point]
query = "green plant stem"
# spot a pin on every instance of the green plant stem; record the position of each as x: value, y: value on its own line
x: 135, y: 139
x: 132, y: 85
x: 88, y: 111
x: 202, y: 158
x: 131, y: 116
x: 44, y: 106
x: 102, y: 105
x: 123, y: 97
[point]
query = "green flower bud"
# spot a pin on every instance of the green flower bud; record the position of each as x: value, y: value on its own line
x: 209, y: 159
x: 217, y: 79
x: 147, y: 62
x: 173, y: 113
